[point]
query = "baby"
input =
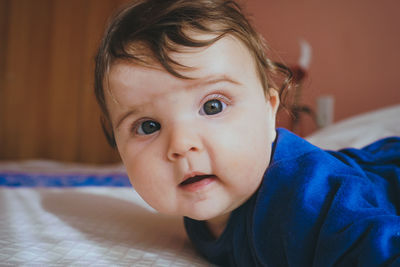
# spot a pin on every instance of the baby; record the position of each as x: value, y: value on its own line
x: 188, y: 98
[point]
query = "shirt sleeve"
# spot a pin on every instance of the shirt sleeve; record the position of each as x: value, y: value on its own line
x: 319, y: 211
x: 361, y: 226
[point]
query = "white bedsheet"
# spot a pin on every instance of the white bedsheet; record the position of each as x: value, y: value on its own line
x: 88, y: 226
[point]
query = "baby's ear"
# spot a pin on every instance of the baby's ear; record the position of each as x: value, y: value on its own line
x: 272, y: 96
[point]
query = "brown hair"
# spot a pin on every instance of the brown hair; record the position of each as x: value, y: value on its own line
x: 148, y: 30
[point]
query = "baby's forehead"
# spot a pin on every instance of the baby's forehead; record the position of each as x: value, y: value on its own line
x: 126, y: 74
x: 180, y: 58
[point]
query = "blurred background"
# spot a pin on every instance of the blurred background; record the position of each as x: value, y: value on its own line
x: 47, y: 48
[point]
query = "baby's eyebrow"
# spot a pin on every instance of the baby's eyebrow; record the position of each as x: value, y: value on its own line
x: 213, y: 79
x: 125, y: 115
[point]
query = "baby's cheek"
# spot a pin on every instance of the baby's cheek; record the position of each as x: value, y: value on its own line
x: 135, y: 167
x: 144, y: 177
x: 155, y: 184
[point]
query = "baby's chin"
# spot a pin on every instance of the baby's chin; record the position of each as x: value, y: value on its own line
x: 199, y: 217
x: 192, y: 214
x: 216, y: 216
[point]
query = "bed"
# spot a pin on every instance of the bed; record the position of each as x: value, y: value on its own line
x: 56, y: 213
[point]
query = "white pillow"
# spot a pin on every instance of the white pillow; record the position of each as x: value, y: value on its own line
x: 359, y: 130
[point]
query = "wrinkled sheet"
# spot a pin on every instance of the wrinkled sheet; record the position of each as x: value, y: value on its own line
x: 94, y: 226
x: 47, y: 223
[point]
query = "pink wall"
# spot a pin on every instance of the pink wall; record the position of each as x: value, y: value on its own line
x: 356, y: 48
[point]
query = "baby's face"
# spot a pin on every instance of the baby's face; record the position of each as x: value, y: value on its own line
x: 198, y: 147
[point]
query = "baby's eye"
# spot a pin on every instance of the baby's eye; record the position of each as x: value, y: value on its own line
x: 213, y: 106
x: 148, y: 127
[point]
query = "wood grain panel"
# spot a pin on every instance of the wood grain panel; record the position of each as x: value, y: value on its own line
x: 47, y: 106
x: 96, y: 20
x: 17, y: 93
x: 4, y: 7
x: 65, y: 77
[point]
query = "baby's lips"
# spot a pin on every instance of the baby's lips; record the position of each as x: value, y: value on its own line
x: 197, y: 182
x: 192, y: 174
x: 196, y: 178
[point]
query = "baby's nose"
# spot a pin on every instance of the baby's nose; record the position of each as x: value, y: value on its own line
x: 183, y: 139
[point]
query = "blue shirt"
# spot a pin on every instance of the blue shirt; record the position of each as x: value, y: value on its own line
x: 315, y: 208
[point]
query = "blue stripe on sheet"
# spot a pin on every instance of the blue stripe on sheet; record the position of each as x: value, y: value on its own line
x: 62, y: 180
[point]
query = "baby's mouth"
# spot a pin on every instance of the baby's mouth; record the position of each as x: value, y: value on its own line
x: 197, y: 182
x: 195, y: 179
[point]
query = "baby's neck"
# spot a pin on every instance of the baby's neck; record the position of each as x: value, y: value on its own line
x: 217, y: 225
